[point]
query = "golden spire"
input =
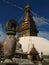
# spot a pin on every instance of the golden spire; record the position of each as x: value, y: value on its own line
x: 28, y: 24
x: 27, y: 17
x: 28, y: 8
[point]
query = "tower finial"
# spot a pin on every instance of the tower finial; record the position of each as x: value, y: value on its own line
x: 28, y: 8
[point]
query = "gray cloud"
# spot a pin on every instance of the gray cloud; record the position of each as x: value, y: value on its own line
x: 43, y: 34
x: 40, y: 21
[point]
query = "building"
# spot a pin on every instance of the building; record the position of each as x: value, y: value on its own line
x: 28, y: 28
x: 34, y: 55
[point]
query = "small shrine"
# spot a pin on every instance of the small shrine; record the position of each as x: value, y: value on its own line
x: 34, y: 55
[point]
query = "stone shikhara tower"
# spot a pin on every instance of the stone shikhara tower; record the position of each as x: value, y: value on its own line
x: 28, y: 27
x: 9, y: 44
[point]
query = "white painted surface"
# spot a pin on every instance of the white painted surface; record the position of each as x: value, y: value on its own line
x: 41, y: 44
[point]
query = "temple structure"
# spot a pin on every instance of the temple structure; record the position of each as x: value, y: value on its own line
x: 34, y: 55
x: 28, y: 27
x: 9, y: 44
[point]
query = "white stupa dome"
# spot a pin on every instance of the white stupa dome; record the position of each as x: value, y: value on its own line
x: 41, y: 44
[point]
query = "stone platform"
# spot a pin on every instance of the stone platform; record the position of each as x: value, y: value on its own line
x: 14, y: 64
x: 16, y: 61
x: 9, y: 64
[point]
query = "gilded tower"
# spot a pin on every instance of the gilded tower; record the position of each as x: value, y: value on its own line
x: 28, y: 27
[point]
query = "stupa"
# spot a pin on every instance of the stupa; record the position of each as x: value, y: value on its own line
x: 9, y: 44
x: 28, y: 28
